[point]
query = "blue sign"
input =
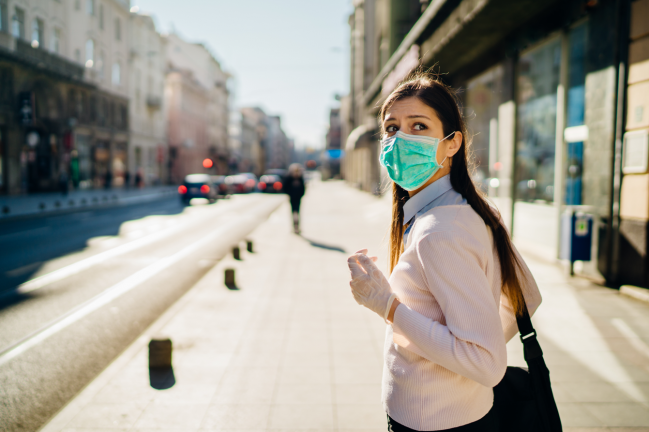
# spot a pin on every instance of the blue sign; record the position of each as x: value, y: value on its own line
x: 334, y: 153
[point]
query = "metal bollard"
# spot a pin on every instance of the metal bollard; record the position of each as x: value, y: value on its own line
x: 236, y: 253
x: 229, y: 279
x: 160, y: 353
x: 249, y: 246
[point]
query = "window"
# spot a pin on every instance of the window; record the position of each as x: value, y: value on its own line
x: 77, y: 4
x: 90, y: 7
x: 101, y: 16
x: 576, y: 104
x: 101, y: 65
x: 1, y: 162
x: 77, y: 55
x: 18, y: 23
x: 37, y: 32
x: 116, y: 75
x: 537, y: 82
x: 118, y: 29
x: 3, y: 15
x: 483, y: 97
x: 55, y: 41
x: 90, y: 53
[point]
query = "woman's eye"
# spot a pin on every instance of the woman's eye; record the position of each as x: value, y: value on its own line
x: 419, y: 127
x: 391, y: 129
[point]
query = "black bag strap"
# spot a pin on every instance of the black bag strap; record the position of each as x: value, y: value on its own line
x: 531, y: 347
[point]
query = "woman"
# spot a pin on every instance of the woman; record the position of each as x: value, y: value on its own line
x: 294, y: 187
x: 450, y: 260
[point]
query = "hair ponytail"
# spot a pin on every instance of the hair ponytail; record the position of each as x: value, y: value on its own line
x: 440, y: 97
x: 399, y: 198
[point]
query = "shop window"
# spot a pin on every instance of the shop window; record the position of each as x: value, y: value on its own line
x: 18, y: 23
x: 483, y: 96
x: 537, y: 83
x: 117, y: 74
x: 82, y: 173
x: 37, y: 33
x: 576, y: 103
x: 55, y: 41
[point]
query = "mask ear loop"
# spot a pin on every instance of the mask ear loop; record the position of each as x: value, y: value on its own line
x: 444, y: 139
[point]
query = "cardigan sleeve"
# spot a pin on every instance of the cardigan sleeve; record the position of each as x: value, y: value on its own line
x: 470, y: 342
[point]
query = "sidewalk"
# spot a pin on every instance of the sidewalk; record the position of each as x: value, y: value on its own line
x: 34, y: 204
x: 291, y: 350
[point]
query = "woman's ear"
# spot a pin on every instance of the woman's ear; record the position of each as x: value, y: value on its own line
x: 454, y: 145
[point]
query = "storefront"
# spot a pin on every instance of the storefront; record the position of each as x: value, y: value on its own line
x: 55, y: 132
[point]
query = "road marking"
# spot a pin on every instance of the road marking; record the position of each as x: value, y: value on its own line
x: 117, y: 290
x: 24, y: 269
x: 79, y: 266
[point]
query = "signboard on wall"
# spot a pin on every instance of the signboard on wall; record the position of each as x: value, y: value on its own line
x: 636, y: 152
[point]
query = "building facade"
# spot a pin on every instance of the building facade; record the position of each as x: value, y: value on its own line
x: 248, y: 133
x: 148, y: 151
x: 96, y: 36
x: 62, y: 122
x: 333, y: 146
x: 198, y: 114
x: 539, y: 84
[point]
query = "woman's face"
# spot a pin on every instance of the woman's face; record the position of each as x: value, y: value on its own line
x: 413, y: 117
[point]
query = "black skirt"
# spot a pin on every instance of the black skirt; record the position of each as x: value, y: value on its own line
x: 488, y: 423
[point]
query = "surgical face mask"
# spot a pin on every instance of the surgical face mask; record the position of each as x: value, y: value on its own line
x: 411, y: 160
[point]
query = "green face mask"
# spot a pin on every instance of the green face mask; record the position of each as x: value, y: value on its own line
x: 411, y: 160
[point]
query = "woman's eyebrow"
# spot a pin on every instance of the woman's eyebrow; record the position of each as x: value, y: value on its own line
x: 418, y: 116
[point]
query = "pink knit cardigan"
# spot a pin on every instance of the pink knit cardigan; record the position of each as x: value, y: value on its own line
x: 445, y: 351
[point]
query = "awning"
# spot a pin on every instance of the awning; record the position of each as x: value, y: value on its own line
x: 357, y: 136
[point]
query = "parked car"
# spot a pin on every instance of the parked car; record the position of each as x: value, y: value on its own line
x: 220, y: 184
x: 240, y: 183
x: 251, y: 181
x: 197, y: 186
x: 270, y: 183
x: 277, y: 171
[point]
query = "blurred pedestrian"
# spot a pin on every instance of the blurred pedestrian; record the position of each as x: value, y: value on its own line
x: 127, y: 179
x: 295, y: 188
x: 63, y: 181
x: 456, y: 280
x: 108, y: 179
x: 138, y: 178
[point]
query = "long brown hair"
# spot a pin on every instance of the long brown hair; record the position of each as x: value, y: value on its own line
x: 441, y: 98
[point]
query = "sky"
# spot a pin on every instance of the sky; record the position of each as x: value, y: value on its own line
x: 289, y: 57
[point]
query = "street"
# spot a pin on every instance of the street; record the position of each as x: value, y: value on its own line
x: 96, y: 280
x: 290, y: 349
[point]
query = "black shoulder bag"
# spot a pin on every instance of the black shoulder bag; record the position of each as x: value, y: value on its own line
x: 523, y: 400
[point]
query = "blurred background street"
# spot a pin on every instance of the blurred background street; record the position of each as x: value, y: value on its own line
x: 141, y: 141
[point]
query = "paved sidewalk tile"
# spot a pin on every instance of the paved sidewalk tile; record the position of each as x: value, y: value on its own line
x: 291, y: 350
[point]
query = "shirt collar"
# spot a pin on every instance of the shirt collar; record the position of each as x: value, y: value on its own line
x: 425, y: 197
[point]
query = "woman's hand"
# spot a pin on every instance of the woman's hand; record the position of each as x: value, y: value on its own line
x: 369, y: 286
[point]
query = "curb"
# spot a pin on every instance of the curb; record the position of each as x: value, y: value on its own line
x: 73, y: 204
x: 637, y: 293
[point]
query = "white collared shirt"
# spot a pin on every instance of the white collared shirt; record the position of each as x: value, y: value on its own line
x: 438, y: 193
